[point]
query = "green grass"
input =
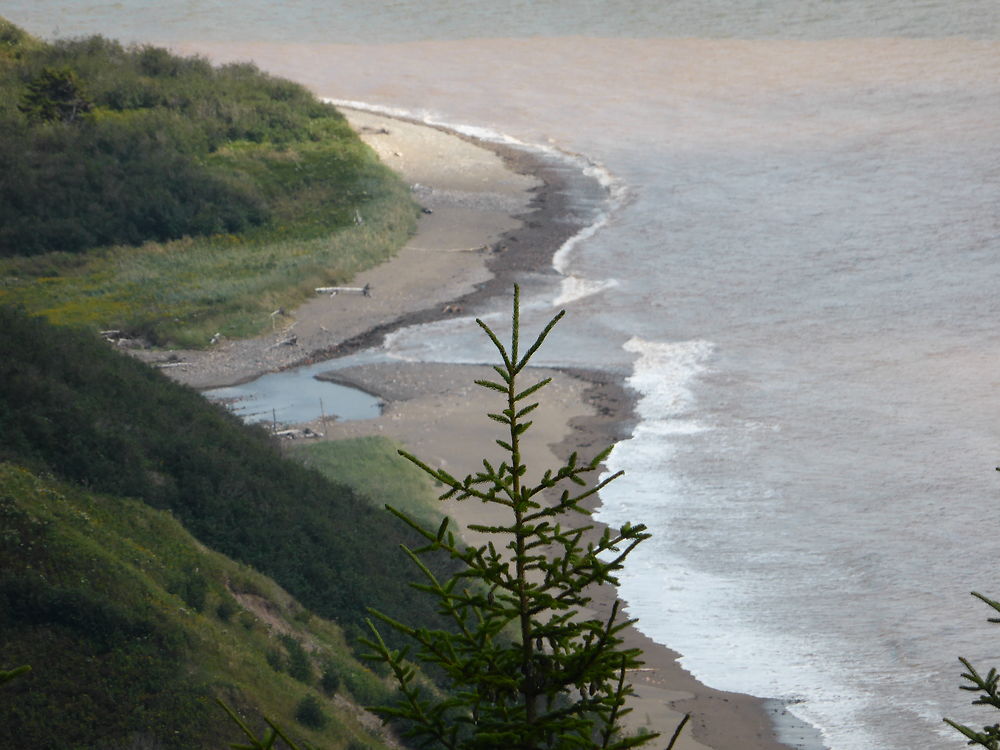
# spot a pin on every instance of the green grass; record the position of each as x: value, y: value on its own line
x: 184, y: 291
x: 375, y: 471
x: 133, y: 628
x: 190, y: 200
x: 75, y: 407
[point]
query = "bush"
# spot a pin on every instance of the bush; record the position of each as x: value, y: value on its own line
x: 330, y: 680
x: 299, y: 664
x: 309, y: 713
x: 226, y: 609
x: 275, y: 659
x: 192, y: 588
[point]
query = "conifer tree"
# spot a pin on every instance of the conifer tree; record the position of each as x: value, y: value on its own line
x: 525, y: 666
x: 55, y: 95
x: 988, y: 689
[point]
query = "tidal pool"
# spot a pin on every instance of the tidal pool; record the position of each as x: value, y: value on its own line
x: 296, y: 396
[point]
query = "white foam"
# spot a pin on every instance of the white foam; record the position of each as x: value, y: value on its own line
x: 428, y: 117
x: 574, y: 288
x: 717, y: 618
x: 618, y: 196
x: 455, y: 340
x: 662, y: 375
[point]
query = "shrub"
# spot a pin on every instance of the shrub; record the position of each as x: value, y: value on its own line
x: 55, y: 95
x: 309, y: 713
x: 226, y: 609
x: 299, y: 664
x: 275, y: 659
x: 330, y: 680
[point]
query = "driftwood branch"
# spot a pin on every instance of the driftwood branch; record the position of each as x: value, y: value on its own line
x: 364, y: 291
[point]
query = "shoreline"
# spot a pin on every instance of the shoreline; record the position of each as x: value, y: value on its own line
x: 596, y: 411
x: 509, y: 233
x: 582, y: 411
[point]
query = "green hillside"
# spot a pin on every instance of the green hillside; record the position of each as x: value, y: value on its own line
x: 157, y: 554
x: 133, y: 629
x: 73, y: 406
x: 157, y: 194
x: 127, y: 610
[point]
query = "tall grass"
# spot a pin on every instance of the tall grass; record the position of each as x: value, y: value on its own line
x: 184, y: 291
x: 188, y: 201
x: 375, y: 471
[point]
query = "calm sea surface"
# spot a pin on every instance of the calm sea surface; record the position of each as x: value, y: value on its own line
x: 797, y: 266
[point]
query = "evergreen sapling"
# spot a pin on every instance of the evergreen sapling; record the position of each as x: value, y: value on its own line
x: 988, y: 688
x: 526, y: 666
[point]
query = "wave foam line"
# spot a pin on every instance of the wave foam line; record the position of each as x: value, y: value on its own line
x: 615, y: 189
x: 617, y: 196
x: 574, y: 288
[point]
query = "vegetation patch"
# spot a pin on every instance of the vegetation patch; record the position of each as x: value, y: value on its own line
x: 166, y: 197
x: 89, y: 598
x: 371, y: 466
x: 73, y: 407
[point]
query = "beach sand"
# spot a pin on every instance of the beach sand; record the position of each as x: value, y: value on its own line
x: 480, y: 198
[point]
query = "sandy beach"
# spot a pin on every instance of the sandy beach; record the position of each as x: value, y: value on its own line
x: 492, y: 221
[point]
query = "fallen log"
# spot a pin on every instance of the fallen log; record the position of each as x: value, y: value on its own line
x: 364, y: 291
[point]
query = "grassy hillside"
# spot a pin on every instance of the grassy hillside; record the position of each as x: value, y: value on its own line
x: 161, y: 195
x: 171, y: 199
x: 72, y: 406
x: 133, y: 628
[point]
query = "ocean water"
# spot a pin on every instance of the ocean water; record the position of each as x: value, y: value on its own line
x: 796, y: 264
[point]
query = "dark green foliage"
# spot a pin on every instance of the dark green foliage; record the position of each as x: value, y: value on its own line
x: 525, y: 667
x: 276, y: 660
x: 191, y: 587
x: 29, y: 600
x: 310, y: 713
x: 299, y: 664
x: 72, y: 406
x: 987, y: 688
x: 226, y: 609
x: 54, y: 95
x: 329, y: 681
x: 102, y: 144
